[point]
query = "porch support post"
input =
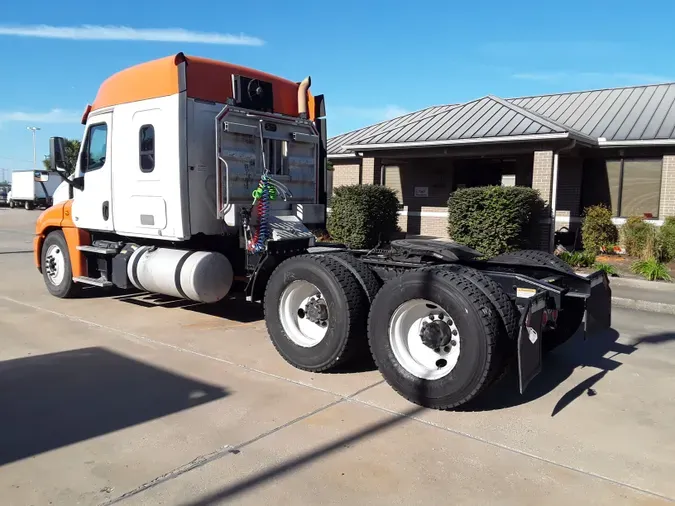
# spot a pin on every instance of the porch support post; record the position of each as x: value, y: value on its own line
x: 542, y: 180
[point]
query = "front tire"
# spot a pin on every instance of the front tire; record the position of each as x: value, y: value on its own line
x: 315, y: 312
x: 459, y: 315
x: 56, y: 268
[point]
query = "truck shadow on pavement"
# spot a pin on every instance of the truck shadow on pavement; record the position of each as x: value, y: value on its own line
x: 233, y: 307
x: 602, y: 352
x: 54, y: 400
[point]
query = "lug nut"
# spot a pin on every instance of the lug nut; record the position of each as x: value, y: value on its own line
x: 446, y: 349
x: 453, y: 343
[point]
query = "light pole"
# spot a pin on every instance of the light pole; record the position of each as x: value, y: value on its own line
x: 34, y: 129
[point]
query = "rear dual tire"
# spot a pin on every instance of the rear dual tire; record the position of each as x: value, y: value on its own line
x: 461, y: 369
x: 316, y: 312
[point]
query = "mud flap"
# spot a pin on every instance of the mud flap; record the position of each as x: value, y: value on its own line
x: 598, y: 306
x: 529, y: 339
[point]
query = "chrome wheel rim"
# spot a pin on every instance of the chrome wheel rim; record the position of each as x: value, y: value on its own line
x: 303, y: 313
x: 406, y: 327
x: 55, y: 264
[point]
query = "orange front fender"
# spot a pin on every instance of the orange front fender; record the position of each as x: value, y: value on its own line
x: 58, y: 217
x: 49, y: 219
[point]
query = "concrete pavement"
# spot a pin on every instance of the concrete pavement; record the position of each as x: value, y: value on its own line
x: 644, y: 295
x: 134, y: 400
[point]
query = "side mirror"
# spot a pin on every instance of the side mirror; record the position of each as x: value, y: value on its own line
x: 40, y: 176
x: 57, y: 154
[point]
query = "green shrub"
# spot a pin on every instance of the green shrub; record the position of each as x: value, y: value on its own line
x: 651, y: 269
x: 494, y: 219
x: 598, y: 231
x: 667, y: 239
x: 578, y: 258
x: 609, y: 269
x: 363, y: 215
x: 641, y: 239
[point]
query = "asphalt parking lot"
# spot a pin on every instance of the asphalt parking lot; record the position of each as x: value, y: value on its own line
x: 129, y: 399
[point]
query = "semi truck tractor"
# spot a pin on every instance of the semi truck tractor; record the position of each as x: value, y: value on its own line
x: 32, y: 188
x: 197, y: 178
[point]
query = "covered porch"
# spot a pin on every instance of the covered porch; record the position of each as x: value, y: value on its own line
x: 424, y: 180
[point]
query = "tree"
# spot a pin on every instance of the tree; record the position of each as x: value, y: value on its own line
x: 72, y: 152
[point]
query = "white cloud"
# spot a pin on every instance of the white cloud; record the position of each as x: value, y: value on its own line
x: 98, y: 32
x: 371, y: 114
x: 53, y: 116
x: 630, y: 77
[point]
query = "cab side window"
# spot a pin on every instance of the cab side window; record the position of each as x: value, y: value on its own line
x: 147, y: 148
x: 94, y: 153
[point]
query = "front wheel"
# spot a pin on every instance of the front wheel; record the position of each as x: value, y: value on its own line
x: 434, y: 335
x: 56, y: 268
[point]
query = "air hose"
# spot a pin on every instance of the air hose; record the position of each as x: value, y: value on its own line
x: 263, y: 194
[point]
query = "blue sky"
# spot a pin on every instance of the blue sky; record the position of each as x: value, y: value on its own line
x: 372, y: 59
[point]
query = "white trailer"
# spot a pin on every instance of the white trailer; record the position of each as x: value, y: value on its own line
x: 33, y: 188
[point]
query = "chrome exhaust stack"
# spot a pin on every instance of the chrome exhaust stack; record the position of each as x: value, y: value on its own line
x: 302, y: 96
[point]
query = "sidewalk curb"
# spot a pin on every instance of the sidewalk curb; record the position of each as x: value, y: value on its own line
x: 642, y: 283
x: 642, y: 305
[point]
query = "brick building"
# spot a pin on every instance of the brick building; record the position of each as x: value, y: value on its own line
x: 613, y: 146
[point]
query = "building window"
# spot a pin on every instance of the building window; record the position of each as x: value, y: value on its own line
x: 635, y: 186
x: 96, y: 147
x: 276, y: 157
x: 147, y: 148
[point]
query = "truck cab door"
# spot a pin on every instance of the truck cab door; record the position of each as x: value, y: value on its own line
x: 92, y: 206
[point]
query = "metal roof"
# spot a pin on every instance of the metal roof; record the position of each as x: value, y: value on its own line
x: 620, y: 114
x: 336, y: 144
x: 644, y: 114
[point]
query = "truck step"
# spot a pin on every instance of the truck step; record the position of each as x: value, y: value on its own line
x: 100, y: 282
x: 98, y: 250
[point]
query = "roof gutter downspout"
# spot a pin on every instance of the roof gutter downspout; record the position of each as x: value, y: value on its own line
x: 554, y: 191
